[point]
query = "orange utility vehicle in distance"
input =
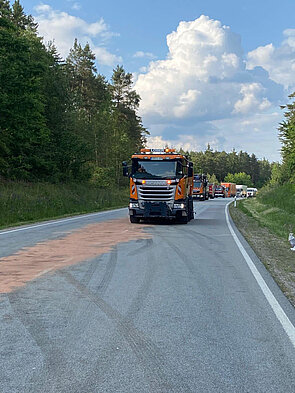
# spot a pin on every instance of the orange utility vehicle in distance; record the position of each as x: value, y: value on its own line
x: 230, y: 189
x: 219, y: 191
x: 161, y: 185
x: 201, y: 190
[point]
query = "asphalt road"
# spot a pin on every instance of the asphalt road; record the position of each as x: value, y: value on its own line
x: 177, y: 312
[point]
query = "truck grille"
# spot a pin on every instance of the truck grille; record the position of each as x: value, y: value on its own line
x: 156, y: 193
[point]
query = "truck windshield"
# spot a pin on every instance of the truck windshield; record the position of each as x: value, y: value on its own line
x: 148, y: 169
x: 197, y: 184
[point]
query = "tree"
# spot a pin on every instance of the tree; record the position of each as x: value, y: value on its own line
x: 90, y: 96
x: 129, y: 134
x: 23, y: 131
x: 212, y: 178
x: 239, y: 178
x: 5, y: 9
x: 276, y: 169
x: 21, y: 20
x: 287, y: 137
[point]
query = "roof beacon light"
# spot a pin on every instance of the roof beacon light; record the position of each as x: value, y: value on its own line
x: 157, y: 151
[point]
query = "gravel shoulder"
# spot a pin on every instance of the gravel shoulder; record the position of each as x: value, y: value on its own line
x: 272, y: 250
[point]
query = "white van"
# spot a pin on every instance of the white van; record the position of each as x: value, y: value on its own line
x: 251, y: 192
x: 241, y: 191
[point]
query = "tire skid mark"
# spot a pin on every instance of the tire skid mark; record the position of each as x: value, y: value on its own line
x: 147, y: 244
x: 144, y: 290
x: 146, y: 352
x: 52, y: 355
x: 109, y: 272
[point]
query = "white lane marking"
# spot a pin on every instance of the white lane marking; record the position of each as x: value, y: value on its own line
x: 60, y: 221
x: 277, y: 309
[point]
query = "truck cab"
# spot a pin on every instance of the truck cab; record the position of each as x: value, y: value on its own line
x: 219, y: 191
x: 230, y: 189
x: 161, y: 184
x: 201, y: 189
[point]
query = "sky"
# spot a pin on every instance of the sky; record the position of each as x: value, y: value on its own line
x: 207, y: 71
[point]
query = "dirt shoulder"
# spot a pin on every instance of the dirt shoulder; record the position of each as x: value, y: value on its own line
x: 272, y: 250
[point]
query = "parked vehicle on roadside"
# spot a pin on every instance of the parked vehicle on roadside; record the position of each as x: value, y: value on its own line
x: 211, y: 190
x: 161, y: 185
x: 201, y: 188
x: 219, y: 191
x: 241, y: 191
x: 230, y: 189
x: 251, y: 192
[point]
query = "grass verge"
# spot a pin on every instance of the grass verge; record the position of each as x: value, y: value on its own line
x: 265, y: 222
x: 22, y: 203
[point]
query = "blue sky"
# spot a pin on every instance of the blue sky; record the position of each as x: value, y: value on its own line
x: 216, y: 84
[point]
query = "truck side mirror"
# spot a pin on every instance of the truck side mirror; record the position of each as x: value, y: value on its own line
x: 125, y: 169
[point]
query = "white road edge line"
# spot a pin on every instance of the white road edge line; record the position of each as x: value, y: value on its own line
x: 59, y: 221
x: 277, y: 309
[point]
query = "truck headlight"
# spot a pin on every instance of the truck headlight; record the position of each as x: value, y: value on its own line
x: 179, y: 205
x: 133, y: 205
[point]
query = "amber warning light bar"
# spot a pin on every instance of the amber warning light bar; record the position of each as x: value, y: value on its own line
x: 157, y: 151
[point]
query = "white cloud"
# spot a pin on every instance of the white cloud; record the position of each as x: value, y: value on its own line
x: 76, y: 6
x: 249, y: 101
x: 63, y: 28
x: 203, y: 84
x: 141, y: 54
x: 185, y: 142
x: 279, y: 62
x: 203, y: 76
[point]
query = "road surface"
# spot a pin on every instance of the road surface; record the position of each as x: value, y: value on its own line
x: 161, y: 308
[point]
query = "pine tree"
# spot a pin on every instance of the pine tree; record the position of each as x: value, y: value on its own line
x: 23, y: 129
x: 21, y: 20
x: 287, y: 137
x: 5, y: 9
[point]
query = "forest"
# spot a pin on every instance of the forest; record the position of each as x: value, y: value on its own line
x: 236, y: 167
x: 61, y: 120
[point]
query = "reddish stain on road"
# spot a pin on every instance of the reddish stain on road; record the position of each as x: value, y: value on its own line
x: 80, y: 245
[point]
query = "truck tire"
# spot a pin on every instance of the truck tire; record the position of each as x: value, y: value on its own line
x: 134, y: 220
x: 190, y: 209
x: 183, y: 220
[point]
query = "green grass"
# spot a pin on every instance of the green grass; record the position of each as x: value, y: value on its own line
x: 274, y: 208
x: 22, y: 202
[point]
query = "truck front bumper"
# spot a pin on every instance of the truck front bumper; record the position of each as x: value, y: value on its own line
x: 158, y: 209
x: 198, y: 196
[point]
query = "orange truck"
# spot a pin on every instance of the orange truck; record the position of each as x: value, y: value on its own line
x: 201, y: 189
x: 161, y: 185
x: 230, y: 189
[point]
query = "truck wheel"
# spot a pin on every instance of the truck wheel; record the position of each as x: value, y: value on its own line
x: 134, y: 220
x: 190, y: 209
x: 183, y: 220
